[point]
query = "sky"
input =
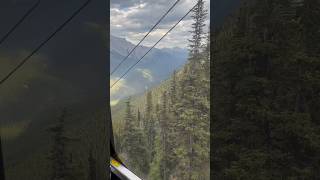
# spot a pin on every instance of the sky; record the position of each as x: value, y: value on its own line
x: 132, y: 19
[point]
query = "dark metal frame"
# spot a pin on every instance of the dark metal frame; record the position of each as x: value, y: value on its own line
x: 2, y: 175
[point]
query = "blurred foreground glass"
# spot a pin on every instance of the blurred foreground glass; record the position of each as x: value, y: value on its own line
x: 53, y: 110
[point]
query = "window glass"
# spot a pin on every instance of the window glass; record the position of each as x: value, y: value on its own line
x: 160, y: 106
x: 53, y: 108
x: 266, y: 90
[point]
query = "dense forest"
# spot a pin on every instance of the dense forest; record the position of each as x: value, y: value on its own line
x: 164, y: 134
x: 266, y: 92
x: 265, y: 102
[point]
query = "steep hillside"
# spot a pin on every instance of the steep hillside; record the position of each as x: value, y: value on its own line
x: 164, y: 132
x: 148, y: 117
x: 265, y: 92
x: 154, y: 68
x: 139, y: 100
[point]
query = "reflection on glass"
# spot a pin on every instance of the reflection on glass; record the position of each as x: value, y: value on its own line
x: 53, y: 109
x: 266, y: 90
x: 160, y: 110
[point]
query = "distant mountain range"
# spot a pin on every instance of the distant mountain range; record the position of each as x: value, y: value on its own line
x: 157, y: 66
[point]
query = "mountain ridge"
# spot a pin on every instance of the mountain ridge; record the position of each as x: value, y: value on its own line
x: 154, y: 68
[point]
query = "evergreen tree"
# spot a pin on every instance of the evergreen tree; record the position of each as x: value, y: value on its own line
x: 173, y: 89
x: 148, y: 109
x: 199, y: 17
x: 128, y: 126
x: 134, y: 143
x: 156, y: 167
x: 193, y: 126
x: 149, y: 125
x: 139, y: 120
x: 177, y: 127
x: 263, y: 126
x: 58, y: 155
x: 164, y: 161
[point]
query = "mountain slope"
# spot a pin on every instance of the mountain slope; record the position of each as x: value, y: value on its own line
x: 154, y: 68
x: 139, y: 100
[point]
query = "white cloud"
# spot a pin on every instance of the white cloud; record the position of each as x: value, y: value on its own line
x: 120, y: 89
x: 132, y: 20
x: 117, y: 87
x: 146, y: 73
x: 114, y: 102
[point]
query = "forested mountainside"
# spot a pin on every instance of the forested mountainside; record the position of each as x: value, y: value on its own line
x: 153, y: 130
x: 164, y: 133
x: 153, y: 69
x: 266, y: 92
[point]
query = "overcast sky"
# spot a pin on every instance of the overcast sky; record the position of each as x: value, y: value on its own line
x: 132, y: 19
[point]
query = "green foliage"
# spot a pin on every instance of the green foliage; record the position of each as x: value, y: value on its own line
x: 134, y: 143
x: 149, y: 125
x: 264, y: 122
x: 156, y: 168
x: 175, y: 118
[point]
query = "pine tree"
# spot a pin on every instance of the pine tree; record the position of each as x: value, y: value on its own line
x: 193, y: 149
x: 128, y: 127
x: 149, y: 125
x: 58, y: 155
x: 134, y: 143
x: 156, y: 166
x: 262, y: 120
x: 164, y: 126
x: 173, y: 89
x: 139, y: 120
x: 148, y: 109
x: 199, y: 17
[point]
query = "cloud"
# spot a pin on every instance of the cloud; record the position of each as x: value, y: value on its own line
x: 114, y: 102
x: 120, y: 90
x: 146, y: 73
x: 132, y: 19
x: 117, y: 87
